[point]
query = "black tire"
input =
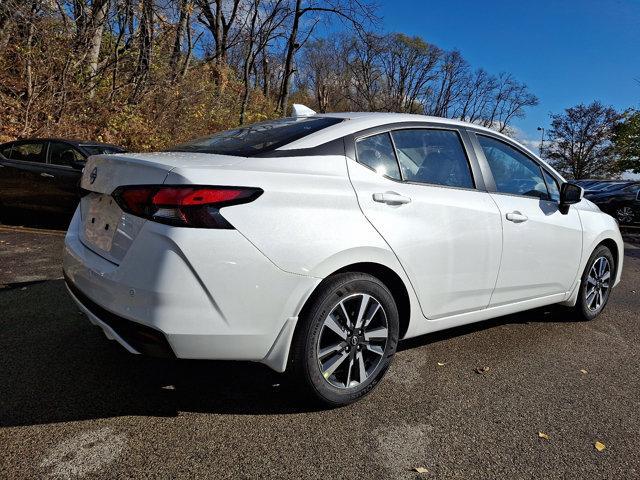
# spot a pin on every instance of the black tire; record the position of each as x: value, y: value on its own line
x: 584, y: 304
x: 304, y: 363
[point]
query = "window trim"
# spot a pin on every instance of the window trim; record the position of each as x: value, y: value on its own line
x: 395, y: 155
x: 493, y: 188
x: 472, y: 160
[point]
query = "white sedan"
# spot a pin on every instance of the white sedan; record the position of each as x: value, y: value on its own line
x: 313, y: 244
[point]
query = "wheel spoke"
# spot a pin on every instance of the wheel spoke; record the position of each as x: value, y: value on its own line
x: 591, y: 295
x: 373, y: 314
x: 603, y: 264
x: 363, y: 371
x: 363, y: 308
x: 606, y: 276
x: 591, y: 280
x: 349, y: 371
x: 346, y: 315
x: 377, y: 334
x: 375, y: 349
x: 334, y: 363
x: 332, y: 325
x: 330, y: 349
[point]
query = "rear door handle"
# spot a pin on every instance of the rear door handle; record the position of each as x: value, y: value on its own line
x: 390, y: 198
x: 47, y: 175
x: 517, y: 217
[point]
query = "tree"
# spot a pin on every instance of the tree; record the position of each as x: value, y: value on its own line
x: 626, y: 140
x: 580, y: 143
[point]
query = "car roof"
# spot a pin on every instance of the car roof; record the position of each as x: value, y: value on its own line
x: 74, y: 142
x: 357, y: 121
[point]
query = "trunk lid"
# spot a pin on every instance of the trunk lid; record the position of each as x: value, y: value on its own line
x: 105, y: 228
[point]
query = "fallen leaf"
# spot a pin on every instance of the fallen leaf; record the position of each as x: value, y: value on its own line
x: 583, y: 371
x: 440, y: 364
x: 482, y: 370
x: 421, y: 470
x: 543, y: 435
x: 600, y: 446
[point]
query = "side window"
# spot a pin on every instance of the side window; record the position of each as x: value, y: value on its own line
x: 552, y: 186
x: 376, y: 152
x: 29, y: 152
x: 63, y: 154
x: 513, y: 171
x: 6, y: 151
x: 433, y: 156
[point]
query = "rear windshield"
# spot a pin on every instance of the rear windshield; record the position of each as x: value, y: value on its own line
x: 257, y: 138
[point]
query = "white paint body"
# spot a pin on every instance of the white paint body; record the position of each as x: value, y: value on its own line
x: 237, y: 294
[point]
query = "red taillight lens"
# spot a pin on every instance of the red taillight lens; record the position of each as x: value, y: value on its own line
x: 193, y: 206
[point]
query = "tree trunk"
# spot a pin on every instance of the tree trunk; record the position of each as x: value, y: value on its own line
x: 292, y: 45
x: 177, y: 44
x: 95, y: 42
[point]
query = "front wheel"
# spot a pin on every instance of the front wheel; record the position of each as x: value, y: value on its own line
x: 346, y: 338
x: 597, y: 281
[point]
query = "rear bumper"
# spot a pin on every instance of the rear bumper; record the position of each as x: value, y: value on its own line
x: 189, y: 293
x: 135, y: 337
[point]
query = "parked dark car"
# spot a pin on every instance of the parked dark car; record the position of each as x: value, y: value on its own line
x: 44, y: 174
x: 622, y: 203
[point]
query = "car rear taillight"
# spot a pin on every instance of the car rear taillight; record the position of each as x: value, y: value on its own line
x: 192, y: 206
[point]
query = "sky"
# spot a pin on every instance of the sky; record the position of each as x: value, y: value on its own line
x: 567, y: 52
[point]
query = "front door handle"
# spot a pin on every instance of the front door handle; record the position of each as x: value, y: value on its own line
x: 47, y: 175
x: 517, y: 217
x: 391, y: 198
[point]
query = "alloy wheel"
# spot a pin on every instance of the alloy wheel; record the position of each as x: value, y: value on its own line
x: 352, y: 340
x: 598, y: 284
x: 625, y: 215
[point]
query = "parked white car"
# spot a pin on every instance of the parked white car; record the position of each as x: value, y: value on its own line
x: 315, y: 243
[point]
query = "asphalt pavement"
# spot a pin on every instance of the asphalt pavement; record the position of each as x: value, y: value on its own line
x: 75, y: 405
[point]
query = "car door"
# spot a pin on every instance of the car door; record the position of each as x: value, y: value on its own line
x: 64, y: 169
x: 542, y: 245
x: 22, y: 167
x: 416, y: 187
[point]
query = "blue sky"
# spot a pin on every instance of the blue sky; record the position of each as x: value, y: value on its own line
x: 567, y: 52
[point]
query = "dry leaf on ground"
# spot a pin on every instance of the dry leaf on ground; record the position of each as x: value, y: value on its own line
x: 440, y: 364
x: 543, y: 435
x: 583, y: 371
x: 420, y: 470
x: 482, y: 370
x: 600, y: 446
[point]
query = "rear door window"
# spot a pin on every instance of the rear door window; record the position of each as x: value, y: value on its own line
x: 376, y: 152
x: 433, y: 156
x: 63, y: 154
x: 29, y: 152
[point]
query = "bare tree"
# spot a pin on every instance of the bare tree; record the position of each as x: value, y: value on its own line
x: 580, y: 141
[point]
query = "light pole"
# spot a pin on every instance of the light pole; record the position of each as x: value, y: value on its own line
x: 541, y: 140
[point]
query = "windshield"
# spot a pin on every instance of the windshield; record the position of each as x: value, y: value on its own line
x: 101, y: 149
x: 257, y: 138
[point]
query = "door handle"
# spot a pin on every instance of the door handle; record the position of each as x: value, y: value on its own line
x: 391, y: 198
x: 47, y: 175
x: 517, y: 217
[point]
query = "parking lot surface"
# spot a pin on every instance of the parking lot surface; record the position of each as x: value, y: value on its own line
x: 75, y: 405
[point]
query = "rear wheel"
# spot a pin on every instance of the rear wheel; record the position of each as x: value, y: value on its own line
x: 346, y: 339
x: 597, y: 281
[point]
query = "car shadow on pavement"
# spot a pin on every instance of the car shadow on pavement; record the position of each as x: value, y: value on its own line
x: 31, y: 219
x: 57, y: 367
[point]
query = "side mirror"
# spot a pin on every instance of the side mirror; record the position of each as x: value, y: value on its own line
x: 570, y: 193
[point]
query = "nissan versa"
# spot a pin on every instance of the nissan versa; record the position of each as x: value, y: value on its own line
x: 313, y: 244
